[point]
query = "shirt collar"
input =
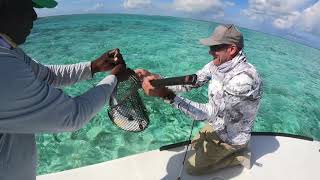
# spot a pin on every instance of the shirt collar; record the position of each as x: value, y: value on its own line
x: 227, y: 66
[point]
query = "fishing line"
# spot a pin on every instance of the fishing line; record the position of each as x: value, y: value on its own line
x: 186, y: 151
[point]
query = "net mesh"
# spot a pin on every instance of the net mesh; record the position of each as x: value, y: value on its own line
x: 126, y: 108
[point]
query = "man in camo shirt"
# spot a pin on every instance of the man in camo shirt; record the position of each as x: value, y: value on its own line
x: 234, y: 92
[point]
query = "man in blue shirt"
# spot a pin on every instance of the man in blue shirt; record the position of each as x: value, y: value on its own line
x: 30, y: 99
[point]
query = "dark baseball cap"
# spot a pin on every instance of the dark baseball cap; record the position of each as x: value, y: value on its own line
x: 224, y: 34
x: 44, y: 3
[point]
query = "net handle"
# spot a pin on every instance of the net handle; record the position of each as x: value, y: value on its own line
x: 181, y: 80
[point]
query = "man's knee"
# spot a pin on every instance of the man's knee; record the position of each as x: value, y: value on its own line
x: 192, y: 169
x: 199, y: 168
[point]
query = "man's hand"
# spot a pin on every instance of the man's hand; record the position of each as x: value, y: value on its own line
x: 121, y: 72
x: 142, y: 73
x: 107, y: 61
x: 162, y: 92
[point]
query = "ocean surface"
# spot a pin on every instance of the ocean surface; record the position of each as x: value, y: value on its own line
x: 168, y: 46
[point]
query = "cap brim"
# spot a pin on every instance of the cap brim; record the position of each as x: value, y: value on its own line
x: 44, y: 3
x: 209, y: 42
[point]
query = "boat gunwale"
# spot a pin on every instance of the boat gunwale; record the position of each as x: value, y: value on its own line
x: 184, y: 143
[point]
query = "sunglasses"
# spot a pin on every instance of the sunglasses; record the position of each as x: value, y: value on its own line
x: 218, y: 47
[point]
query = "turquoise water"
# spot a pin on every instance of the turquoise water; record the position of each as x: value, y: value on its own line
x: 168, y: 46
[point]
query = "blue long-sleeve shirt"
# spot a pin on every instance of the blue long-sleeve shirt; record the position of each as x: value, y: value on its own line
x: 31, y: 103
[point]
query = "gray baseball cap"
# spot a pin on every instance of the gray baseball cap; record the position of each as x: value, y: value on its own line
x: 224, y: 34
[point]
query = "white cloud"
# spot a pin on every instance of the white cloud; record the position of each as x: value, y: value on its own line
x: 287, y: 21
x: 215, y: 7
x: 96, y: 7
x: 197, y: 5
x: 309, y: 19
x: 267, y: 10
x: 273, y: 7
x: 286, y: 14
x: 132, y: 4
x: 230, y: 3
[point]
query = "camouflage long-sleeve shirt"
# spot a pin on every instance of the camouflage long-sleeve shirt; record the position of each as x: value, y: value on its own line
x: 234, y: 92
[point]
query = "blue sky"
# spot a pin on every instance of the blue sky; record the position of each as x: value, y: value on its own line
x: 297, y: 20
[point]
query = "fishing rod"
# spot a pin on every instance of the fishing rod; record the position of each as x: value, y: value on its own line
x: 186, y: 151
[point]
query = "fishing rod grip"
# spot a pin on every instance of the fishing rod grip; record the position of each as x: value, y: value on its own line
x: 182, y: 80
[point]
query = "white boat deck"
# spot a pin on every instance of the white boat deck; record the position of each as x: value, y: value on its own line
x: 273, y: 158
